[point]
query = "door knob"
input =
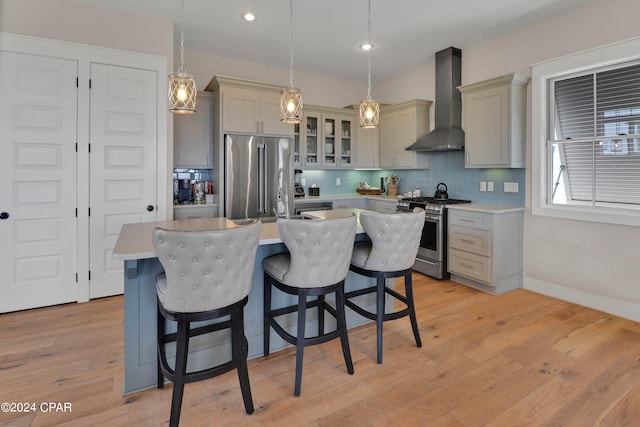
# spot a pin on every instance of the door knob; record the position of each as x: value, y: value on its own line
x: 4, y: 215
x: 150, y: 208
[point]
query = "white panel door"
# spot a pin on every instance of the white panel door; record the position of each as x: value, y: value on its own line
x: 38, y: 163
x: 123, y: 145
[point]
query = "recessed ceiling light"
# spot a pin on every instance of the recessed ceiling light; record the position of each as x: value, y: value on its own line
x: 366, y: 46
x: 249, y: 17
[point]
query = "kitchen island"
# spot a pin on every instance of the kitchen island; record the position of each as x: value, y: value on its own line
x: 135, y: 248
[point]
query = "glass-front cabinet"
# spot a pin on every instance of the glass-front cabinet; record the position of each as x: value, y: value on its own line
x: 324, y: 138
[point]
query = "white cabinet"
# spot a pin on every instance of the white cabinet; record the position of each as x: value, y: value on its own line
x: 325, y: 138
x: 349, y: 203
x: 249, y: 107
x: 195, y: 211
x: 367, y: 148
x: 495, y: 122
x: 192, y: 135
x: 485, y: 248
x: 380, y: 205
x: 400, y: 126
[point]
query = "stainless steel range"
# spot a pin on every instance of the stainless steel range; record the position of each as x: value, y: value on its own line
x: 432, y: 254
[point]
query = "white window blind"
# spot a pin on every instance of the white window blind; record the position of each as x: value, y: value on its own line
x: 595, y: 137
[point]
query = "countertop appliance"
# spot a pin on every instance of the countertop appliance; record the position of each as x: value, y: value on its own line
x: 441, y: 192
x: 258, y: 177
x: 298, y: 188
x: 432, y: 254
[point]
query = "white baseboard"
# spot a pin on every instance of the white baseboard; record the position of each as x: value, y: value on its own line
x: 598, y: 302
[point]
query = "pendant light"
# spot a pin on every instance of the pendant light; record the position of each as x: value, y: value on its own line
x: 291, y: 98
x: 182, y: 86
x: 369, y: 108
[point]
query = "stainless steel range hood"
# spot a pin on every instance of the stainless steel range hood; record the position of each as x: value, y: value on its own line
x: 447, y: 134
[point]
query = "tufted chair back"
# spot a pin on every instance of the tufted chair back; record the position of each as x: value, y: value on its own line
x: 320, y: 250
x: 395, y: 239
x: 205, y: 270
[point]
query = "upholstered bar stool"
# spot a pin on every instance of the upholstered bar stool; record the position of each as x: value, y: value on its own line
x: 316, y: 264
x: 395, y: 239
x: 208, y: 275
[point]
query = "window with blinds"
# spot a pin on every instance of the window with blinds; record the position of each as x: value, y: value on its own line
x: 594, y: 138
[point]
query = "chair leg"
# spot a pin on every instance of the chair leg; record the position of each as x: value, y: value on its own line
x: 266, y: 325
x: 182, y: 349
x: 408, y: 285
x: 342, y: 327
x: 240, y: 349
x: 320, y: 315
x: 161, y: 327
x: 380, y: 309
x: 302, y: 318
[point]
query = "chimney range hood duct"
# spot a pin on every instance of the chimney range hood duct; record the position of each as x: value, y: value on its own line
x: 447, y: 134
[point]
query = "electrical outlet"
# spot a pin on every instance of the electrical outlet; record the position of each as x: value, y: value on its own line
x: 303, y: 182
x: 490, y: 186
x: 337, y: 181
x: 483, y: 185
x: 510, y: 187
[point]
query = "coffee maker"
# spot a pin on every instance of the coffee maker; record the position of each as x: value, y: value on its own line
x: 185, y: 194
x: 298, y: 188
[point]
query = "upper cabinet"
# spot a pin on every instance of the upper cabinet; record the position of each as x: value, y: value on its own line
x: 495, y: 122
x: 249, y: 107
x: 400, y: 126
x: 192, y: 135
x: 325, y: 138
x: 366, y: 148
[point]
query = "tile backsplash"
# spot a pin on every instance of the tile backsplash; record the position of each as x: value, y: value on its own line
x: 447, y: 167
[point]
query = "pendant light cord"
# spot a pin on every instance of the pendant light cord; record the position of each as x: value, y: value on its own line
x: 369, y: 53
x: 291, y: 43
x: 181, y: 70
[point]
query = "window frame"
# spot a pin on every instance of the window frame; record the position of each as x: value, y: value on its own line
x: 542, y: 181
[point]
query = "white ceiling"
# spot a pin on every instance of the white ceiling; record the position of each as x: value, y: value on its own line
x: 327, y: 32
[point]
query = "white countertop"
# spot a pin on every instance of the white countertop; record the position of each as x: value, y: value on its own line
x: 485, y: 207
x: 134, y: 241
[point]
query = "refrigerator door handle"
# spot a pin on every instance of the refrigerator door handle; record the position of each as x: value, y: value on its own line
x: 262, y: 178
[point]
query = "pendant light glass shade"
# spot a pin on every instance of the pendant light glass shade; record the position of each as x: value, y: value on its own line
x: 291, y: 98
x: 369, y: 113
x: 182, y: 86
x: 291, y: 105
x: 369, y: 108
x: 182, y: 93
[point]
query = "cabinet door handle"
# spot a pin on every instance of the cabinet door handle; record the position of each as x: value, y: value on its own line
x: 150, y: 208
x: 467, y: 241
x: 4, y: 215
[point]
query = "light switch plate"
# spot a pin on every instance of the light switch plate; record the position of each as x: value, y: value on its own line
x: 303, y: 182
x: 337, y: 181
x: 510, y: 187
x: 490, y: 186
x: 483, y: 185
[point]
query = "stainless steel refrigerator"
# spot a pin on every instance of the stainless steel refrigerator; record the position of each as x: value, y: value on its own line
x: 258, y: 177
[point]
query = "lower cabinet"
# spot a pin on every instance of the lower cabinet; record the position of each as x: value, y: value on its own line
x: 195, y: 211
x: 485, y: 247
x: 382, y: 206
x: 349, y: 203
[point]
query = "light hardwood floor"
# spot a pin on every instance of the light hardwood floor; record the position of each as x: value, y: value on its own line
x: 520, y: 359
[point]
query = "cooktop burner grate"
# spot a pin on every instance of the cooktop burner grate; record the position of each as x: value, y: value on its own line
x: 436, y: 201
